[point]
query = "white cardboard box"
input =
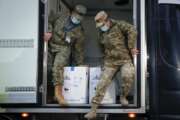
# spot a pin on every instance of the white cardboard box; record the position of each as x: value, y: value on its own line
x: 110, y: 96
x: 75, y: 87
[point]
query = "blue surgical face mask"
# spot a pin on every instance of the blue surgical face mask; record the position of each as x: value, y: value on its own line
x: 75, y: 20
x: 104, y: 28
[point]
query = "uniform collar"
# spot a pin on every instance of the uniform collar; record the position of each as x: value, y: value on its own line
x: 70, y: 25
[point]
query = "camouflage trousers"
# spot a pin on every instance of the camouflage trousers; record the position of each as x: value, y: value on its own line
x: 61, y: 59
x: 127, y: 76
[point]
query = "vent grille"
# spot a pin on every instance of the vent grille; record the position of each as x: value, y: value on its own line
x: 20, y: 89
x: 16, y: 43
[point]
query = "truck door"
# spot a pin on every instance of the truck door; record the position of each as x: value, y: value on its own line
x: 20, y: 49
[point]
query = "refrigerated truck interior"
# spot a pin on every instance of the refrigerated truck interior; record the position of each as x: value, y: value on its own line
x: 26, y: 88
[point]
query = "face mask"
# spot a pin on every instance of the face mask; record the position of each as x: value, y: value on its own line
x: 104, y: 28
x: 75, y: 20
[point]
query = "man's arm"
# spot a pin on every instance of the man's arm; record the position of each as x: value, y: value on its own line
x: 131, y: 34
x: 48, y: 35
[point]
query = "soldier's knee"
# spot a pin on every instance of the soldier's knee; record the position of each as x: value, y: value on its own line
x: 128, y: 70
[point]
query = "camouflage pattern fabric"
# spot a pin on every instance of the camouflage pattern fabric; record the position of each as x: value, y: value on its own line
x: 62, y: 13
x: 127, y: 77
x: 117, y: 43
x: 62, y: 49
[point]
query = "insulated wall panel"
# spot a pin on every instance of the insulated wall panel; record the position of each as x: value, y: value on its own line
x: 18, y: 50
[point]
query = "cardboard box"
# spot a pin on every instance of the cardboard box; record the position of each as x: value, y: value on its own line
x: 75, y: 87
x: 110, y: 96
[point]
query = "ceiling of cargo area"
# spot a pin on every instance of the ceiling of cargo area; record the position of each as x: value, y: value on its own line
x: 103, y: 4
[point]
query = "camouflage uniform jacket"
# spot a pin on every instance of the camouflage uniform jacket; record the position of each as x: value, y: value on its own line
x: 117, y: 43
x: 59, y: 35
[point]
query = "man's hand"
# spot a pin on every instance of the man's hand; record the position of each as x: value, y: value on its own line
x: 134, y: 51
x: 47, y: 36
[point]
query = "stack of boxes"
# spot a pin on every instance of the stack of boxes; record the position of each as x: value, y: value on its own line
x: 80, y: 85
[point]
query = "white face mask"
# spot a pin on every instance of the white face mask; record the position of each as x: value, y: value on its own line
x: 104, y: 28
x: 75, y: 20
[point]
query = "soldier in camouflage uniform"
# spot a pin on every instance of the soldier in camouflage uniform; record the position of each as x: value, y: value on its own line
x: 118, y: 39
x: 67, y: 38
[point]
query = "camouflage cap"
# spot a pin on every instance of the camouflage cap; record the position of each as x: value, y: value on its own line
x: 81, y: 9
x: 100, y: 17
